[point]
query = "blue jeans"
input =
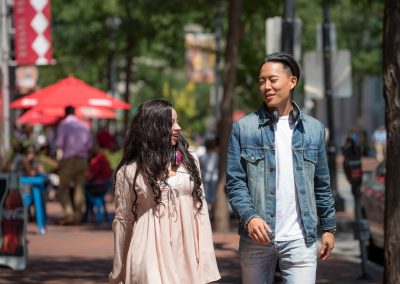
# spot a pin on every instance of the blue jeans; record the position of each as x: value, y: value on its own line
x: 297, y: 261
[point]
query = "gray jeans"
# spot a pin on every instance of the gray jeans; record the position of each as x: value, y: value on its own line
x: 297, y: 261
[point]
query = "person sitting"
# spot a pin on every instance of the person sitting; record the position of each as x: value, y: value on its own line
x: 99, y: 172
x: 105, y: 139
x: 50, y: 166
x: 31, y: 165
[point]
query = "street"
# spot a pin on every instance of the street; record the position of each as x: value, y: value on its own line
x: 83, y: 254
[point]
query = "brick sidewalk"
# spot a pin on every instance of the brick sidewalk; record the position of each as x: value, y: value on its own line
x: 83, y: 254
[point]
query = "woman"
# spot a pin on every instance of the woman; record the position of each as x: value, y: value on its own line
x: 162, y: 231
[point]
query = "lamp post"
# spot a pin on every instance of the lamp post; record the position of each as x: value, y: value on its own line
x: 327, y: 56
x: 218, y: 34
x: 4, y: 79
x: 287, y: 38
x: 113, y: 23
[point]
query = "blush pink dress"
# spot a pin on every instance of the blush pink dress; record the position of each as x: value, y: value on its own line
x: 169, y: 244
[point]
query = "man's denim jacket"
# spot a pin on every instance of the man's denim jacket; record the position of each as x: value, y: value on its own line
x: 251, y: 173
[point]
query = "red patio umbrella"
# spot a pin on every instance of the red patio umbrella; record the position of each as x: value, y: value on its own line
x: 84, y: 112
x: 46, y: 117
x: 36, y: 117
x: 69, y: 92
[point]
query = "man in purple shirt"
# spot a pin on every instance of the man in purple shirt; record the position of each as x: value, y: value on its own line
x: 73, y: 144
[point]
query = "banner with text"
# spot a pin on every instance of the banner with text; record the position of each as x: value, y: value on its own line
x: 33, y: 43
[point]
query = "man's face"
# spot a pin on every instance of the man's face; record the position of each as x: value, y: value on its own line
x: 275, y: 85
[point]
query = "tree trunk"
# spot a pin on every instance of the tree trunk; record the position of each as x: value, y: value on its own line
x: 221, y: 216
x: 391, y: 76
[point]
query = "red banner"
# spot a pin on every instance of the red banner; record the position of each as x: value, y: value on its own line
x: 32, y: 20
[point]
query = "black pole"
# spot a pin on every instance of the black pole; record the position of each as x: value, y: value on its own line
x: 353, y: 170
x: 287, y: 38
x: 339, y: 202
x: 218, y: 34
x: 362, y: 233
x: 113, y: 23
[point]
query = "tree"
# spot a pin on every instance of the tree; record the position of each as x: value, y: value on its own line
x: 391, y: 75
x: 149, y: 31
x: 221, y: 218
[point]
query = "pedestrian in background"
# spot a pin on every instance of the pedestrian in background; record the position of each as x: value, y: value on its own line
x: 379, y: 140
x: 162, y: 232
x: 209, y: 170
x: 73, y: 144
x: 278, y: 182
x: 99, y: 172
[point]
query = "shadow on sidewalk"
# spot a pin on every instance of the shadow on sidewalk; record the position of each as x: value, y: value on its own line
x: 59, y: 270
x: 228, y: 263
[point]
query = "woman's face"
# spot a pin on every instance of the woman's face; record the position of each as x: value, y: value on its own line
x: 175, y: 128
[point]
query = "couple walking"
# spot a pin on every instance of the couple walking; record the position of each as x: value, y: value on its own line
x: 277, y: 184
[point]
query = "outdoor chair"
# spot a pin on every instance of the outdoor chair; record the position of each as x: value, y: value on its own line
x: 36, y: 194
x: 95, y: 203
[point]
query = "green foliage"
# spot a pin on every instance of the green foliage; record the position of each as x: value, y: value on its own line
x: 152, y: 33
x: 359, y: 27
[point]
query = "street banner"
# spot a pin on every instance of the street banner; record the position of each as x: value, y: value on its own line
x: 273, y: 36
x: 200, y: 57
x: 32, y: 19
x: 341, y: 74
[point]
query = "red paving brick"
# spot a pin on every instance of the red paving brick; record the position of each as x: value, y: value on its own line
x: 83, y: 254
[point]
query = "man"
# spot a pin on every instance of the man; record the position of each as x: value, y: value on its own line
x: 73, y: 144
x: 278, y: 182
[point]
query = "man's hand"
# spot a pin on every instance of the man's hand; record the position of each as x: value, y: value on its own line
x: 328, y: 243
x: 258, y: 229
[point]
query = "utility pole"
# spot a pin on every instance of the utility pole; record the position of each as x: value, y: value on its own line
x: 113, y: 23
x: 327, y: 57
x: 218, y: 34
x: 287, y: 38
x: 5, y: 90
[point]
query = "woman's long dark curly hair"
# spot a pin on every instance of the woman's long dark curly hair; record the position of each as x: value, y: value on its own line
x: 148, y: 144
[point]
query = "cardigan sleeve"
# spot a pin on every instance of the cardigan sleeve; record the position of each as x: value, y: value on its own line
x: 122, y: 225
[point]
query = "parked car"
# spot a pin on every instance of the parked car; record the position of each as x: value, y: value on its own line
x: 373, y: 208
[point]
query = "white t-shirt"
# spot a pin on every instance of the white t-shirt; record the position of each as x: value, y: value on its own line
x: 289, y: 225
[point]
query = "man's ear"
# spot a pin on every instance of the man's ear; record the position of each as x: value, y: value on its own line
x: 293, y: 82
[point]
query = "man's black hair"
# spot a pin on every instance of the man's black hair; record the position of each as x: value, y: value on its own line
x: 287, y: 60
x: 69, y: 110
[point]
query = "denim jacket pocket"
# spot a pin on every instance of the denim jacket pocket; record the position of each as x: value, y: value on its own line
x: 254, y: 161
x: 311, y: 155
